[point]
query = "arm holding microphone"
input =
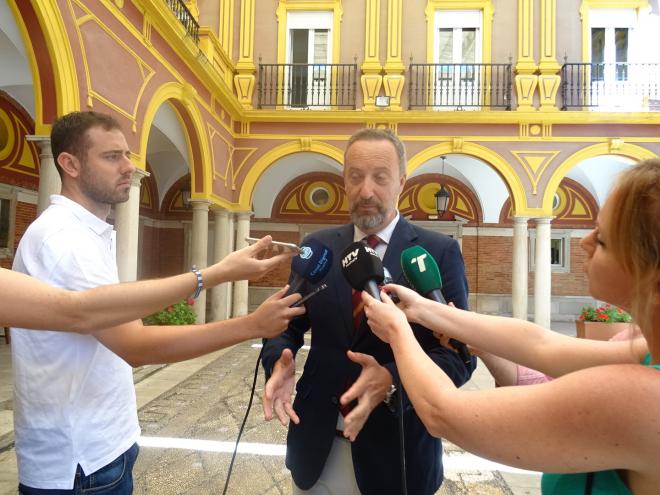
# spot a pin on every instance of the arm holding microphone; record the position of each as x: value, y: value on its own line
x: 519, y: 341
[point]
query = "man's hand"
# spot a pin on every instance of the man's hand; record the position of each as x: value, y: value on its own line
x: 369, y: 389
x: 279, y: 390
x: 247, y: 263
x: 272, y: 317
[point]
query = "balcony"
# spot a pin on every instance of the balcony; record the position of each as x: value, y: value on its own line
x: 181, y: 12
x: 610, y: 87
x: 307, y: 86
x: 459, y: 86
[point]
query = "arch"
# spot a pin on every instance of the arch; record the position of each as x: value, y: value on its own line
x: 271, y: 156
x: 51, y: 60
x: 630, y: 150
x: 511, y: 179
x: 192, y: 122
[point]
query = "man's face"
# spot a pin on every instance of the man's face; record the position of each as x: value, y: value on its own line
x: 373, y: 183
x: 106, y: 171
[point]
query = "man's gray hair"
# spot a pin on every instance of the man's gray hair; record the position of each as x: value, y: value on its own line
x: 373, y: 134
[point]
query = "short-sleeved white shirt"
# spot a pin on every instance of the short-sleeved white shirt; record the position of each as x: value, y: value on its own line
x: 74, y: 399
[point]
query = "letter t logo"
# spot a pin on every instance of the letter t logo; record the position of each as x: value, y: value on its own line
x: 420, y: 262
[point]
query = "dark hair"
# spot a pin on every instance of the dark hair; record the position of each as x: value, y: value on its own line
x: 69, y: 133
x: 375, y: 134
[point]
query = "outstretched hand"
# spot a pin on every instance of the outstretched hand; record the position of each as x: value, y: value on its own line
x: 248, y: 263
x: 272, y: 317
x: 384, y: 318
x: 279, y: 390
x: 369, y: 389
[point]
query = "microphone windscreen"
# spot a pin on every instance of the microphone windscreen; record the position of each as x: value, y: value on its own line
x: 313, y: 261
x: 360, y: 264
x: 421, y: 270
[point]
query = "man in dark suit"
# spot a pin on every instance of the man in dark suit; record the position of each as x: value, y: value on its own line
x: 331, y: 448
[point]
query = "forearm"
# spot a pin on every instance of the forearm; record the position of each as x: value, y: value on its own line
x: 171, y: 344
x: 523, y: 342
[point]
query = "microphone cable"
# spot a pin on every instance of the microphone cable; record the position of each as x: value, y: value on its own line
x: 247, y: 413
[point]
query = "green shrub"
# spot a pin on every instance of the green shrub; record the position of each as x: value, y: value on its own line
x: 180, y: 313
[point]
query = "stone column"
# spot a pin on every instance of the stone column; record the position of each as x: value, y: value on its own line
x: 520, y: 268
x: 221, y: 248
x: 199, y: 247
x: 241, y: 287
x: 542, y: 275
x: 49, y: 178
x: 127, y: 225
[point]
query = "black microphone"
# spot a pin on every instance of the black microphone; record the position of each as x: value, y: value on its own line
x: 311, y: 265
x: 423, y: 275
x: 363, y: 268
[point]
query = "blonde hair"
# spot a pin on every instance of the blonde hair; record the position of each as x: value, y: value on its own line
x: 635, y: 234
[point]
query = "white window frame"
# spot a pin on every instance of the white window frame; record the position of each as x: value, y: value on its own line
x: 458, y: 19
x: 564, y: 235
x: 310, y: 21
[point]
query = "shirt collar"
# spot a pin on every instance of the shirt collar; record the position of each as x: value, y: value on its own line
x: 385, y: 234
x: 97, y: 225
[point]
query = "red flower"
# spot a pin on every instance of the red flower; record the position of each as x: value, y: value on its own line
x: 190, y: 301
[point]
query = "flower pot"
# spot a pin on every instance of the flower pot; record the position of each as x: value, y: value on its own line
x: 598, y: 331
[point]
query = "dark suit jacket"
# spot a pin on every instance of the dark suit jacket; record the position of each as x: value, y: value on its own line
x: 376, y: 451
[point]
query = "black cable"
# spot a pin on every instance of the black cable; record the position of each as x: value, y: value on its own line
x: 404, y: 489
x: 247, y: 412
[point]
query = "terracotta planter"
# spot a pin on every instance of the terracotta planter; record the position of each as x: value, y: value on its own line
x: 598, y: 331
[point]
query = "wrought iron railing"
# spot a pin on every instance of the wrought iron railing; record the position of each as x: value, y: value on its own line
x: 458, y: 86
x: 301, y: 86
x: 181, y: 12
x: 610, y: 86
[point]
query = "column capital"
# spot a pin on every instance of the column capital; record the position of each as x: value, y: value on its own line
x: 244, y: 215
x: 200, y: 204
x: 543, y: 220
x: 37, y: 137
x: 219, y: 211
x: 521, y: 220
x: 138, y: 175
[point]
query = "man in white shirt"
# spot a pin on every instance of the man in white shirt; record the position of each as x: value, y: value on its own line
x: 75, y: 415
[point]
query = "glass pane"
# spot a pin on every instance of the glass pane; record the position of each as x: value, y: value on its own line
x: 621, y: 44
x: 556, y: 252
x: 597, y: 45
x: 4, y: 223
x: 320, y: 53
x: 469, y: 48
x: 446, y: 47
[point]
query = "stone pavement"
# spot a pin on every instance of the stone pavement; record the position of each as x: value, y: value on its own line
x: 190, y: 414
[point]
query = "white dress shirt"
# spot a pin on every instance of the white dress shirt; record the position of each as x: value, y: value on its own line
x: 74, y: 399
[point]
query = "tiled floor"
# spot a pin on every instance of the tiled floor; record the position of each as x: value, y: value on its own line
x: 175, y: 400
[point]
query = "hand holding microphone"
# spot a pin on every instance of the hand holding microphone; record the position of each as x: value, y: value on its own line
x: 423, y: 274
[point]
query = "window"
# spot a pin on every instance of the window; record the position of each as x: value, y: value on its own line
x: 457, y: 53
x: 560, y: 250
x: 309, y: 75
x: 7, y: 214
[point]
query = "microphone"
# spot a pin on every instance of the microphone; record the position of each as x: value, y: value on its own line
x: 312, y: 264
x: 362, y: 268
x: 423, y: 274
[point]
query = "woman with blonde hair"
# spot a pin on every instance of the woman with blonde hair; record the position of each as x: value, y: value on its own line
x: 595, y: 427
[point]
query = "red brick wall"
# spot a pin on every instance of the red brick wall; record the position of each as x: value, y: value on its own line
x: 495, y: 268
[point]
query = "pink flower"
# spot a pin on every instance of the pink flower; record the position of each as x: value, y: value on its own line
x: 190, y: 301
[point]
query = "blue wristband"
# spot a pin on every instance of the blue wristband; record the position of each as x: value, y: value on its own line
x: 200, y: 281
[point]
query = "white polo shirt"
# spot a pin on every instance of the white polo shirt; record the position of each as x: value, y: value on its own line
x: 74, y: 399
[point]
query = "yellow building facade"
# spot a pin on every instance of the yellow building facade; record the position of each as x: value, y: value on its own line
x: 237, y: 113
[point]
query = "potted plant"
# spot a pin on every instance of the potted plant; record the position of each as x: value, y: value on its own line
x: 602, y: 322
x: 180, y: 313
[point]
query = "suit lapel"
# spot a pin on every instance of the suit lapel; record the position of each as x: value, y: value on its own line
x: 343, y: 291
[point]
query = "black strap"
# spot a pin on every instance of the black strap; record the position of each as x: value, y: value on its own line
x: 589, y: 482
